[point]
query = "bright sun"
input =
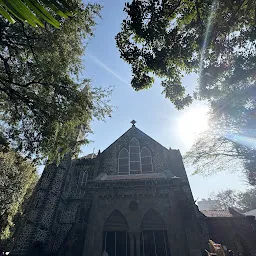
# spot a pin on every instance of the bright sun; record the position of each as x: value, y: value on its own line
x: 191, y: 123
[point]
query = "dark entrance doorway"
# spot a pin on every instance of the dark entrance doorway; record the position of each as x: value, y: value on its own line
x: 154, y: 238
x: 115, y: 236
x: 116, y: 243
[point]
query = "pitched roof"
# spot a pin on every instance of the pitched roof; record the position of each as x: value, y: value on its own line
x: 136, y: 130
x: 231, y: 212
x: 89, y: 156
x: 217, y: 213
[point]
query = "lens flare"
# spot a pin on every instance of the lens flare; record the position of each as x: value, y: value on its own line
x: 207, y: 33
x: 191, y: 123
x: 243, y: 140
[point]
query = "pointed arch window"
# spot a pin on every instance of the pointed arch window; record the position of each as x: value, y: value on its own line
x: 115, y: 236
x: 134, y: 160
x: 146, y: 161
x: 123, y: 161
x: 134, y: 153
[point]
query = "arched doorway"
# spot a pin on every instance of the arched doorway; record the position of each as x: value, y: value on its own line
x: 154, y: 239
x: 115, y: 235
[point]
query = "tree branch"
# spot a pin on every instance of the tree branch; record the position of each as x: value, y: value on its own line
x: 198, y: 16
x: 23, y: 85
x: 7, y: 67
x: 234, y: 14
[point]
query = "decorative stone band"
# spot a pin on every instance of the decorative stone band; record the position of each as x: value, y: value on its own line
x: 107, y: 184
x: 136, y: 188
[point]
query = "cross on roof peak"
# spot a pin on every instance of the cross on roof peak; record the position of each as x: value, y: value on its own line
x: 133, y: 122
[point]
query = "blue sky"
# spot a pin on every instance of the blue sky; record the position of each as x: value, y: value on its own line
x: 154, y: 114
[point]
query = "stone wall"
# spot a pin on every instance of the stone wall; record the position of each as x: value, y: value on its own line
x: 42, y: 209
x: 73, y: 198
x: 162, y: 196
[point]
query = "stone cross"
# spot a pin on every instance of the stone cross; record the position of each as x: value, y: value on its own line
x: 133, y: 122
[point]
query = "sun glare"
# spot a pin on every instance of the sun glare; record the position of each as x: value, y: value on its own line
x: 191, y: 123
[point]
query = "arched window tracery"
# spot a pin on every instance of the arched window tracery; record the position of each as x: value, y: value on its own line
x: 123, y: 162
x: 146, y: 161
x: 115, y: 235
x: 134, y: 153
x: 134, y: 160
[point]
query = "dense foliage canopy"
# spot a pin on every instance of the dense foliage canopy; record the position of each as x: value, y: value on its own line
x: 17, y: 180
x: 44, y: 100
x: 167, y: 38
x: 217, y: 40
x: 243, y: 201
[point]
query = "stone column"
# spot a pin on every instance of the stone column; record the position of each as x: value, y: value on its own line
x: 131, y: 235
x: 137, y: 243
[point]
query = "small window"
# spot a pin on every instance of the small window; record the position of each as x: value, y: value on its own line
x: 123, y: 162
x: 146, y: 161
x: 123, y: 153
x: 134, y: 151
x: 81, y: 181
x: 135, y: 166
x: 145, y: 152
x: 134, y: 157
x: 84, y: 178
x: 134, y: 142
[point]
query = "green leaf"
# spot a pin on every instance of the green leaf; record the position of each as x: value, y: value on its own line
x: 32, y: 11
x: 13, y: 11
x: 42, y: 12
x: 20, y: 10
x: 6, y: 15
x: 60, y: 10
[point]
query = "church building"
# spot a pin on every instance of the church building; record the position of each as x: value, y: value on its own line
x: 132, y: 199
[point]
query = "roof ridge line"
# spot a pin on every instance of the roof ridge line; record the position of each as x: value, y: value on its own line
x: 134, y: 127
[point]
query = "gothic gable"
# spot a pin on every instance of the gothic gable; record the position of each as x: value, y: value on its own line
x: 134, y: 153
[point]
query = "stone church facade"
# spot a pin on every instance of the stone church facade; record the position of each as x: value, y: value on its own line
x: 132, y: 199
